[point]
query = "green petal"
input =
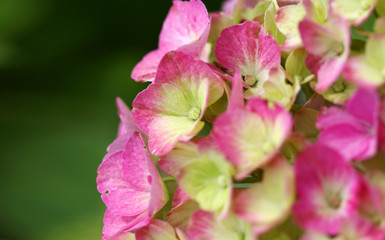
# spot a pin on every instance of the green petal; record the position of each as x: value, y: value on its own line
x: 207, y: 179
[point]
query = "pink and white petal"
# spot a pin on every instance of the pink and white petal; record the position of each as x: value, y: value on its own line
x: 236, y: 48
x: 268, y: 113
x: 186, y: 23
x: 365, y: 105
x: 327, y: 189
x: 159, y: 99
x: 250, y: 138
x: 187, y: 73
x: 166, y: 131
x: 287, y: 19
x: 145, y: 70
x: 359, y: 71
x: 156, y: 230
x: 316, y: 39
x: 134, y: 163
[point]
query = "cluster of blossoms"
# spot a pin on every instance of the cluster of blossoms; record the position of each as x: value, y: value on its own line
x: 263, y: 121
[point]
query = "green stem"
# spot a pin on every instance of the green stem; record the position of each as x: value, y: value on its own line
x: 168, y: 179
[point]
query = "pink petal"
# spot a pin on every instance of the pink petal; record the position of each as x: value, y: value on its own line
x: 126, y: 202
x: 201, y: 224
x: 247, y: 49
x: 186, y: 27
x: 353, y: 133
x: 364, y: 105
x: 145, y: 70
x: 134, y: 164
x: 329, y: 71
x: 236, y: 99
x: 127, y: 127
x: 180, y: 197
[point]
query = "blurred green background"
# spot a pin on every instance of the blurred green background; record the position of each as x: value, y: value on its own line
x: 62, y: 63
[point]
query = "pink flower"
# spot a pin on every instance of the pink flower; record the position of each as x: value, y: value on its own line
x: 131, y: 188
x: 185, y: 29
x: 246, y: 48
x: 171, y: 108
x: 250, y: 135
x: 326, y: 188
x: 352, y: 130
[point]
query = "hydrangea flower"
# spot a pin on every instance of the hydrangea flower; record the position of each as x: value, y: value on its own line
x: 327, y: 189
x: 246, y: 48
x: 262, y: 120
x: 171, y: 109
x: 250, y: 135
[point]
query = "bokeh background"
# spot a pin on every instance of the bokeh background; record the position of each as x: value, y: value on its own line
x: 62, y: 63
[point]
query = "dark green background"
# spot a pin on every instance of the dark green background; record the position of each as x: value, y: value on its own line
x: 62, y: 63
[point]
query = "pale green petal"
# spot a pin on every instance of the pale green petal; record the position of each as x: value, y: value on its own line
x: 270, y: 26
x: 352, y: 10
x: 207, y: 179
x: 295, y: 65
x: 287, y: 21
x: 375, y: 51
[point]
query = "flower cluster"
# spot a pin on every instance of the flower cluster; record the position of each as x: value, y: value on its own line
x: 263, y: 121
